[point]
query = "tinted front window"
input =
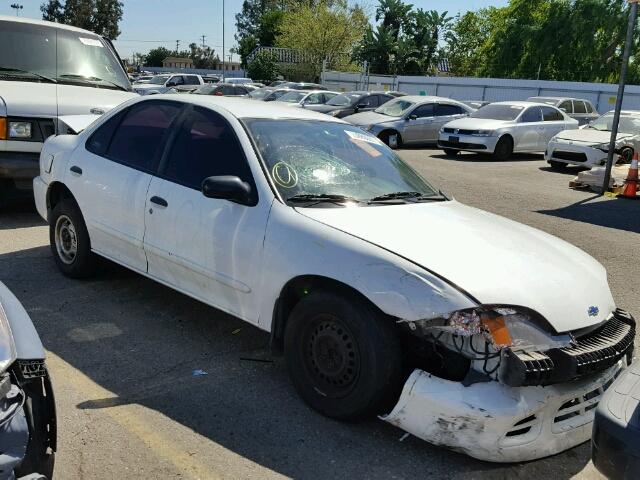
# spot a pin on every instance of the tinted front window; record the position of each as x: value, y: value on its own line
x: 424, y: 111
x: 317, y: 157
x: 531, y: 114
x: 292, y: 97
x: 498, y: 112
x: 138, y: 139
x: 192, y: 80
x: 205, y: 146
x: 99, y: 141
x: 69, y: 57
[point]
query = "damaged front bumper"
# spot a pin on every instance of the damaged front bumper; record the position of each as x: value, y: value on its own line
x: 493, y: 422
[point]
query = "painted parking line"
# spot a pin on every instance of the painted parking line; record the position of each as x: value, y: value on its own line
x: 164, y: 448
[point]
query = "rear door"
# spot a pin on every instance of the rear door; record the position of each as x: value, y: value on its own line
x: 580, y: 112
x: 445, y: 113
x: 208, y: 248
x: 111, y: 176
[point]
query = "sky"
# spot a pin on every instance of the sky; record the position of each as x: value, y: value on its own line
x: 152, y: 23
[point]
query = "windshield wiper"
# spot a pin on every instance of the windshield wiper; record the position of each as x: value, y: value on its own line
x: 316, y: 198
x: 17, y: 70
x: 402, y: 196
x: 92, y: 80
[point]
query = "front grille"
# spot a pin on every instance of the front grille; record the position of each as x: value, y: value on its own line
x: 32, y: 368
x: 448, y: 130
x: 474, y: 146
x: 591, y: 353
x: 570, y: 156
x: 458, y: 131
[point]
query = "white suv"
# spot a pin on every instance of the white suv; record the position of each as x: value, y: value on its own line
x: 54, y: 79
x: 380, y: 290
x: 166, y: 82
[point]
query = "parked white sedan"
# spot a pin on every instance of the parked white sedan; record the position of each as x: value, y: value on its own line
x: 503, y: 128
x: 589, y: 145
x: 386, y: 296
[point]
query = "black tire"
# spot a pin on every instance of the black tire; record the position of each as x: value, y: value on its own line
x: 82, y: 263
x: 626, y: 155
x: 449, y: 152
x: 558, y: 166
x: 503, y: 149
x: 386, y: 139
x: 344, y: 357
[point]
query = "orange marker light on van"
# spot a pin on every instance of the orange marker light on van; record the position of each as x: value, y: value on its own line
x: 3, y: 128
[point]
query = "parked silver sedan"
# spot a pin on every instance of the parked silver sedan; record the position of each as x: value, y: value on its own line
x: 410, y: 119
x: 502, y: 128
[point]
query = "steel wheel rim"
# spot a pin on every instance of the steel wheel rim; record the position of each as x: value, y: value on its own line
x: 66, y: 240
x: 332, y: 356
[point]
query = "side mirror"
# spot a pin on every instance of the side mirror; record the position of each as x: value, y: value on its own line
x: 413, y: 117
x: 227, y: 187
x: 362, y: 105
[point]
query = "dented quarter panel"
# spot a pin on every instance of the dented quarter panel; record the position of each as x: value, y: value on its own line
x: 496, y: 260
x: 297, y: 245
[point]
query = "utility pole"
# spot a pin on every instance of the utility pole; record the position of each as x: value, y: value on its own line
x: 177, y: 46
x: 633, y: 14
x: 203, y: 37
x: 17, y: 7
x: 223, y: 69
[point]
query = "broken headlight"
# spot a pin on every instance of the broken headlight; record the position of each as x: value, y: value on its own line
x: 7, y: 347
x: 505, y: 326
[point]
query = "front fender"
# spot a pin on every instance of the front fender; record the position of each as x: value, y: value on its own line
x: 296, y: 245
x: 26, y: 339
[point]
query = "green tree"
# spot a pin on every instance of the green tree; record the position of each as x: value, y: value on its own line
x: 155, y: 56
x: 327, y: 32
x: 394, y: 15
x: 263, y: 67
x: 98, y: 16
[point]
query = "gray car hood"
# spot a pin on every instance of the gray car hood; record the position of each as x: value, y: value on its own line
x: 325, y: 108
x: 369, y: 118
x: 590, y: 135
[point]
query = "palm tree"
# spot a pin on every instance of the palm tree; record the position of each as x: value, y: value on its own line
x: 394, y: 14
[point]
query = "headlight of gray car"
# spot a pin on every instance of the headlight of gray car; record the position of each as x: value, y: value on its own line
x: 483, y: 133
x: 7, y: 347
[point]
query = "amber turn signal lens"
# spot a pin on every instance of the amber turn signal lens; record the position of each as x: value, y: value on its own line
x: 3, y: 128
x: 499, y: 331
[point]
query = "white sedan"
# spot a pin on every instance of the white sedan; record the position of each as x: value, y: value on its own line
x: 302, y: 98
x: 588, y: 146
x: 386, y: 296
x: 503, y: 128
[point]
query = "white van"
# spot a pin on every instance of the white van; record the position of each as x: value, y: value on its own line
x: 54, y: 79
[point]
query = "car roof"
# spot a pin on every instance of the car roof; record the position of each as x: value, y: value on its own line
x: 45, y: 23
x: 247, y: 108
x: 522, y: 103
x: 426, y: 98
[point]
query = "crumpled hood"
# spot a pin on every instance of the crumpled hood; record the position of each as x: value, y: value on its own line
x: 590, y: 135
x: 39, y: 99
x: 478, y: 123
x: 368, y: 118
x: 496, y: 260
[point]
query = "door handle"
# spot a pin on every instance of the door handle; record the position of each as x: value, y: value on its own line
x: 161, y: 202
x: 76, y: 170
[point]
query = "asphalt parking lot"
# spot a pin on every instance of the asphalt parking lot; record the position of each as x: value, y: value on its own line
x: 123, y: 351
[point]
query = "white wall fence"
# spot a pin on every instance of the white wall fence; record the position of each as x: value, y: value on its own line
x: 602, y: 95
x: 197, y: 71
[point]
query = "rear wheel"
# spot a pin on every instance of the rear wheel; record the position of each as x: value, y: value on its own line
x: 449, y: 152
x: 503, y: 149
x: 626, y: 155
x: 392, y: 139
x: 344, y: 357
x: 69, y: 239
x: 559, y: 166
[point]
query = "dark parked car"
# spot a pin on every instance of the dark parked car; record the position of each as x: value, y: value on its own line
x: 352, y: 102
x: 615, y: 443
x: 224, y: 90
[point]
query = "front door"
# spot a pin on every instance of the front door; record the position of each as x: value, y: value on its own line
x: 419, y: 124
x: 529, y: 131
x: 111, y: 176
x: 208, y: 248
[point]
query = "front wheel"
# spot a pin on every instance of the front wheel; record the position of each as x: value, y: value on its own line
x: 69, y: 239
x: 392, y: 139
x: 449, y: 152
x: 344, y: 357
x: 503, y: 149
x: 558, y: 166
